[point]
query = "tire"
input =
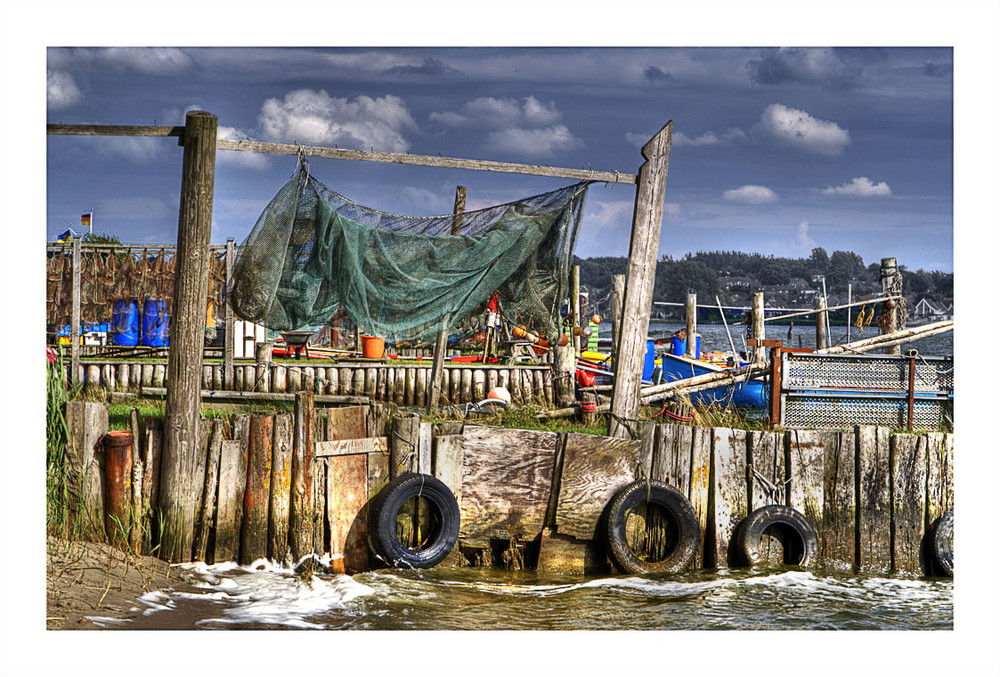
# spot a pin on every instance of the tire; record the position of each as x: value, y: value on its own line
x: 386, y: 507
x: 941, y: 544
x: 683, y: 529
x: 799, y: 542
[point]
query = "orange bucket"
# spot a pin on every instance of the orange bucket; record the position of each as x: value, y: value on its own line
x: 372, y: 347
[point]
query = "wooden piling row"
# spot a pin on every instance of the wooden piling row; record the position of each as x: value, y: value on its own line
x: 871, y: 496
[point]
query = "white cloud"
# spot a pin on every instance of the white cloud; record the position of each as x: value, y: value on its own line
x: 754, y: 195
x: 860, y: 186
x: 62, y: 90
x: 238, y: 158
x: 145, y: 60
x: 140, y: 150
x: 709, y: 138
x: 543, y: 142
x: 489, y: 111
x: 314, y: 117
x: 797, y: 128
x: 802, y: 237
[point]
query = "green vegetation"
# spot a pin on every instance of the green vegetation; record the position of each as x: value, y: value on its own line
x: 57, y: 435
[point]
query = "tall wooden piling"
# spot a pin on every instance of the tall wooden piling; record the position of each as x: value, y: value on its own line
x: 821, y: 323
x: 837, y: 542
x: 187, y: 334
x: 574, y: 298
x: 892, y: 285
x: 207, y: 514
x: 281, y: 487
x: 908, y: 469
x: 874, y: 507
x: 691, y: 314
x: 302, y: 496
x: 86, y: 424
x: 228, y: 344
x: 232, y: 485
x: 651, y: 186
x: 253, y: 540
x: 728, y: 503
x: 118, y: 486
x: 346, y: 492
x: 617, y: 297
x: 759, y: 353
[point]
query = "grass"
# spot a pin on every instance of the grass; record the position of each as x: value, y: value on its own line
x: 57, y: 493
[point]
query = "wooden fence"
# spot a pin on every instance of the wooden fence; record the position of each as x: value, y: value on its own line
x: 278, y: 486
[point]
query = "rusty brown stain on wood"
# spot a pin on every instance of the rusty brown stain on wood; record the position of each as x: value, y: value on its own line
x: 346, y: 497
x: 302, y: 496
x: 232, y: 485
x: 837, y: 535
x: 593, y: 469
x: 940, y: 481
x: 873, y: 500
x: 672, y: 457
x: 87, y: 423
x: 701, y: 459
x: 152, y: 444
x: 908, y: 454
x: 281, y: 488
x: 256, y: 498
x: 729, y: 497
x: 506, y: 479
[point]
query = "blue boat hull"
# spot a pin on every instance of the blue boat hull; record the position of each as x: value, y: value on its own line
x: 750, y: 394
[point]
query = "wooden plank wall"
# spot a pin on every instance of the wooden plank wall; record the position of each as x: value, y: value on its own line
x: 870, y: 495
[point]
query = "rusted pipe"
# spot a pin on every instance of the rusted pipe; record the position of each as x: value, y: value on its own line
x: 118, y: 488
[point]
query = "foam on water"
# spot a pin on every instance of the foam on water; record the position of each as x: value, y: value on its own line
x: 260, y: 593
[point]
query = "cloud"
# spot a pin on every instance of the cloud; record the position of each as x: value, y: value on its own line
x: 544, y: 142
x: 429, y: 66
x: 238, y: 158
x: 62, y: 91
x: 145, y: 60
x: 315, y: 117
x: 709, y: 138
x: 425, y: 202
x: 140, y: 150
x: 860, y: 186
x: 937, y: 70
x: 796, y: 128
x: 804, y: 241
x: 656, y: 74
x: 810, y: 66
x: 754, y: 195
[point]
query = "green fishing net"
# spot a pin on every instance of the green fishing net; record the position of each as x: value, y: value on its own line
x: 314, y: 251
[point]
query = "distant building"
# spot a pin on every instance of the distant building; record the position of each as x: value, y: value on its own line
x: 927, y: 309
x: 735, y: 283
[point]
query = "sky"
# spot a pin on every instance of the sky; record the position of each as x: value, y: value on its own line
x: 776, y: 150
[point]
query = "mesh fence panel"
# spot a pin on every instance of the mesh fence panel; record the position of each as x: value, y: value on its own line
x: 314, y: 251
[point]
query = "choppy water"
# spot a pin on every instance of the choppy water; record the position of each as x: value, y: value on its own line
x: 261, y: 596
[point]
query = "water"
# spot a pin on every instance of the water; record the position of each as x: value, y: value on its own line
x: 262, y: 596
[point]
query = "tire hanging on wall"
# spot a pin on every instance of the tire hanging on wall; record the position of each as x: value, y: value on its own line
x: 943, y: 556
x: 799, y: 541
x: 385, y: 509
x: 682, y: 526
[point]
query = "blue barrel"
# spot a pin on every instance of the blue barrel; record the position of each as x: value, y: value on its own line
x: 678, y: 346
x: 649, y: 361
x: 155, y: 323
x: 125, y: 322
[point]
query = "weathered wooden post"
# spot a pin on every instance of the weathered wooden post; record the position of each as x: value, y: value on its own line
x: 563, y: 366
x: 757, y: 314
x: 179, y: 485
x: 227, y: 349
x: 691, y: 308
x: 74, y: 327
x: 821, y: 323
x: 574, y: 295
x: 651, y: 187
x: 441, y: 344
x: 257, y: 498
x: 300, y: 531
x: 892, y: 285
x: 617, y: 295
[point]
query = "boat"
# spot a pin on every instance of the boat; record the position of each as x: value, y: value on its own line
x: 748, y: 394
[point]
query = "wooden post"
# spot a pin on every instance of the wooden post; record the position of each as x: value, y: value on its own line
x: 227, y: 349
x: 179, y: 485
x: 563, y: 366
x: 232, y: 485
x: 821, y: 320
x: 256, y: 499
x: 86, y: 424
x: 892, y: 285
x: 74, y: 327
x: 456, y: 224
x: 650, y: 193
x: 207, y: 516
x: 574, y: 295
x: 757, y: 312
x: 617, y: 296
x: 404, y: 445
x: 300, y: 532
x: 281, y: 486
x: 691, y: 311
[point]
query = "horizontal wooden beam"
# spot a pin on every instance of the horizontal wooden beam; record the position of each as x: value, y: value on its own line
x: 237, y: 396
x: 424, y: 161
x: 116, y: 130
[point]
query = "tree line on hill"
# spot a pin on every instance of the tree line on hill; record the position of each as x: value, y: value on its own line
x: 733, y: 276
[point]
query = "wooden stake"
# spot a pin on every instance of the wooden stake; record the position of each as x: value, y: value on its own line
x: 74, y: 328
x: 207, y: 516
x: 890, y: 287
x: 227, y: 350
x: 691, y: 312
x: 574, y: 295
x: 617, y: 296
x: 302, y: 495
x: 821, y: 320
x: 256, y: 499
x: 187, y: 335
x: 757, y: 313
x: 644, y: 249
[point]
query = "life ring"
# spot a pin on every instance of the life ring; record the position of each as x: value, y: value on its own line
x: 682, y: 530
x: 800, y: 545
x: 444, y: 522
x: 942, y: 533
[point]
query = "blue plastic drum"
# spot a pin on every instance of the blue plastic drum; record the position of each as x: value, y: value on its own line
x: 125, y: 322
x: 155, y: 323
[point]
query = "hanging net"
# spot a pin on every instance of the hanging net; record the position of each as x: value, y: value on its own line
x: 314, y: 252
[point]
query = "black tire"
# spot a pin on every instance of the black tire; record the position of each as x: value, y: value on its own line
x: 799, y: 542
x: 682, y: 525
x: 445, y: 521
x: 942, y: 532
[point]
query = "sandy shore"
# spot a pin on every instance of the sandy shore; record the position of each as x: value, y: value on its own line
x: 100, y: 582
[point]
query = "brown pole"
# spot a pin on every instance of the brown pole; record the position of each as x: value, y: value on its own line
x: 179, y: 486
x: 301, y: 510
x: 118, y: 490
x: 757, y: 315
x: 617, y: 295
x: 821, y: 323
x: 691, y: 308
x: 256, y: 498
x: 441, y: 344
x: 74, y: 329
x: 227, y: 350
x: 574, y: 294
x: 892, y: 285
x: 651, y: 190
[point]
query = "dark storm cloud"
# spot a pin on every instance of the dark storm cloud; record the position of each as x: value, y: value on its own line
x: 429, y: 66
x: 655, y: 74
x: 821, y: 67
